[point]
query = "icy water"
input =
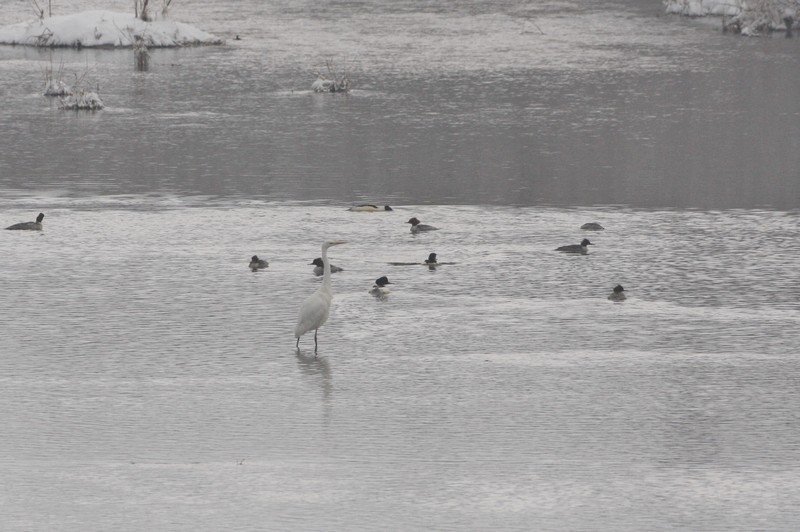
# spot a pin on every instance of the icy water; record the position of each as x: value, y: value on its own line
x: 149, y: 379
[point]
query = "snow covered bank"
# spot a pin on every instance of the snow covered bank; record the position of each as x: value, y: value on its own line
x: 749, y: 17
x: 701, y: 8
x: 103, y: 29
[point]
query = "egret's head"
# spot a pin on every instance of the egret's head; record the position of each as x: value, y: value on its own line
x: 330, y: 243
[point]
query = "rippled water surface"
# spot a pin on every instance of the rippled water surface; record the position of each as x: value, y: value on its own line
x: 498, y: 103
x: 149, y: 379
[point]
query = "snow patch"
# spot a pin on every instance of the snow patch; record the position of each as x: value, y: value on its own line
x: 701, y: 8
x: 103, y: 29
x: 748, y: 17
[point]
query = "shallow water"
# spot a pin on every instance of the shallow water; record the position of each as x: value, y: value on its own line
x: 480, y: 103
x: 149, y: 379
x: 147, y: 368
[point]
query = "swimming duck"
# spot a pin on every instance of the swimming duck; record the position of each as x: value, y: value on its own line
x: 416, y: 227
x: 379, y: 288
x: 29, y: 226
x: 319, y: 267
x: 366, y: 207
x: 258, y: 264
x: 577, y: 248
x: 617, y: 294
x: 592, y: 226
x: 430, y: 262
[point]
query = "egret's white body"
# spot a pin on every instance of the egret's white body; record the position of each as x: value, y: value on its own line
x: 315, y: 310
x: 28, y: 226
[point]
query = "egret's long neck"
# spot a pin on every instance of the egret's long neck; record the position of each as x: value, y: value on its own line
x: 326, y: 268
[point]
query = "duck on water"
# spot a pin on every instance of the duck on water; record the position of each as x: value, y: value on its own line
x: 379, y: 289
x: 417, y: 227
x: 592, y: 226
x: 431, y: 262
x: 28, y: 226
x: 257, y: 264
x: 319, y: 267
x: 576, y: 248
x: 617, y: 294
x: 367, y: 207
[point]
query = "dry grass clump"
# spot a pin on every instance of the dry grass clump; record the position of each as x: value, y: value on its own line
x: 54, y: 84
x: 81, y: 96
x: 333, y: 81
x: 77, y: 96
x: 81, y: 100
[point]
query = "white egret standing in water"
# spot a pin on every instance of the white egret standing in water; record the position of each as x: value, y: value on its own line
x: 315, y: 310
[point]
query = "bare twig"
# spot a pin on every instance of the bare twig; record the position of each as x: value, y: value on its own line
x: 140, y: 8
x: 38, y: 10
x: 165, y: 8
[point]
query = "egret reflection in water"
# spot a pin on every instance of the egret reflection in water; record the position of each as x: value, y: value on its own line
x: 319, y: 370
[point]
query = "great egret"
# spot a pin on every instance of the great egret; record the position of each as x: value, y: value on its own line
x: 365, y: 207
x: 319, y: 267
x: 592, y: 226
x: 257, y: 264
x: 30, y: 226
x: 315, y: 310
x: 617, y: 294
x: 577, y: 248
x: 379, y: 289
x: 416, y: 226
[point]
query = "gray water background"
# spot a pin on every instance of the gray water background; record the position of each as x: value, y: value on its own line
x: 150, y: 380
